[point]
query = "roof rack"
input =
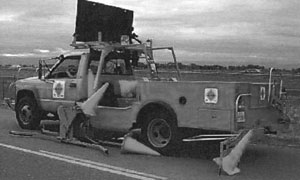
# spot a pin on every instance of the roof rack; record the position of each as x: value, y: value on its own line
x: 100, y: 45
x: 143, y: 47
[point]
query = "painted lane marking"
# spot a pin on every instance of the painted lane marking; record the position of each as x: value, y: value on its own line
x: 103, y: 165
x: 88, y: 164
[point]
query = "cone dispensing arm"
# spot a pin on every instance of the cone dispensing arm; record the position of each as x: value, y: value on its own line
x: 67, y: 116
x: 228, y: 163
x: 88, y: 107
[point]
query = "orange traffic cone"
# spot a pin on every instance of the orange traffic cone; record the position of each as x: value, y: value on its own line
x: 88, y: 107
x: 229, y: 163
x: 131, y: 145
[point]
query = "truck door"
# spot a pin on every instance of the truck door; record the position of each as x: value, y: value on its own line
x: 60, y: 85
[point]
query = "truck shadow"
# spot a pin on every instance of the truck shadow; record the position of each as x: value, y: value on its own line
x: 202, y: 150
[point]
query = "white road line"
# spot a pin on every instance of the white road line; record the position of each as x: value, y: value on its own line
x: 89, y: 164
x: 103, y: 165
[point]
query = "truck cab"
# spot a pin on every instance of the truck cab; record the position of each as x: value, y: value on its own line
x: 67, y: 81
x: 74, y: 77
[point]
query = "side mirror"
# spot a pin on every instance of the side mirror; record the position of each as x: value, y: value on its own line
x: 40, y: 70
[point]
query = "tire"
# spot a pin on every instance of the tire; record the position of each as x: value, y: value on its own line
x: 159, y: 132
x: 28, y: 113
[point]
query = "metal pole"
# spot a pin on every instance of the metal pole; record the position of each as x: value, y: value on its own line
x: 177, y: 68
x: 270, y: 81
x: 2, y: 88
x: 174, y: 57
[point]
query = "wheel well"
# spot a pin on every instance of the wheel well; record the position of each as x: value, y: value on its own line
x: 158, y: 107
x: 24, y: 93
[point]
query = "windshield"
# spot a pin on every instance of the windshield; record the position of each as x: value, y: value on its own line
x: 65, y: 68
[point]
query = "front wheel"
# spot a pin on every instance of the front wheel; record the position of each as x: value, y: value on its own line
x: 27, y: 113
x: 159, y: 132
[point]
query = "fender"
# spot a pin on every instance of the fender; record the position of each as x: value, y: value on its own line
x: 27, y: 90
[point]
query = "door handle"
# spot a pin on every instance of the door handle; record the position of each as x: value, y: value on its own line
x: 73, y: 85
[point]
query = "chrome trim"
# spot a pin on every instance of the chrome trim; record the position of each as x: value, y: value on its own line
x: 79, y: 103
x: 237, y: 103
x: 204, y: 139
x: 57, y: 100
x: 215, y: 135
x: 209, y: 137
x: 116, y: 108
x: 237, y: 100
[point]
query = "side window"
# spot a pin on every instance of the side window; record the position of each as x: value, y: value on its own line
x: 68, y: 68
x: 94, y: 66
x: 117, y: 63
x: 94, y: 61
x: 114, y: 66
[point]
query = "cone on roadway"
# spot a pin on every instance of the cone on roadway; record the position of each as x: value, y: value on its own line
x: 131, y: 145
x: 88, y: 107
x: 229, y: 163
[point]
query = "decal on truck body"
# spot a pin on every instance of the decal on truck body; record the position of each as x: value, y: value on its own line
x: 58, y: 90
x: 262, y: 93
x: 211, y: 95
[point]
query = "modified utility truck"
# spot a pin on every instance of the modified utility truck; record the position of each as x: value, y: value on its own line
x: 161, y: 107
x: 167, y: 110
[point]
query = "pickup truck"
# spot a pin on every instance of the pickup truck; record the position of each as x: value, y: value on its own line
x: 166, y: 110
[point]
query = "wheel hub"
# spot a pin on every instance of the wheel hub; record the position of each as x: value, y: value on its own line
x: 159, y: 133
x: 26, y: 114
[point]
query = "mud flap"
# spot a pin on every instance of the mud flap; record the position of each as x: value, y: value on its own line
x: 231, y: 151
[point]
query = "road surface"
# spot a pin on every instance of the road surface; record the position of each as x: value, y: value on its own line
x: 43, y: 158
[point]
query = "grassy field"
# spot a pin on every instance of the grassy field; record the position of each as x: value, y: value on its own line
x: 8, y: 76
x: 290, y: 82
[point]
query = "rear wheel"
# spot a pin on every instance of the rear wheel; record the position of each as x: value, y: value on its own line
x: 159, y: 132
x: 27, y: 113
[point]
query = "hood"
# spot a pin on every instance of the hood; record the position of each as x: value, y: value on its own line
x: 30, y: 79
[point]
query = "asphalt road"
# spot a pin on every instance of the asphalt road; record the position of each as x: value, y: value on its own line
x: 43, y: 158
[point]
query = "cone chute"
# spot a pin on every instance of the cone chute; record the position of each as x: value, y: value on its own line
x: 88, y: 107
x: 229, y: 162
x: 71, y: 125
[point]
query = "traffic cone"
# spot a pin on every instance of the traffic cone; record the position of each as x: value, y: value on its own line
x: 229, y: 163
x: 131, y: 145
x: 88, y: 107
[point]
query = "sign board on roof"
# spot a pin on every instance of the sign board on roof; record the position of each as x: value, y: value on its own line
x: 92, y: 18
